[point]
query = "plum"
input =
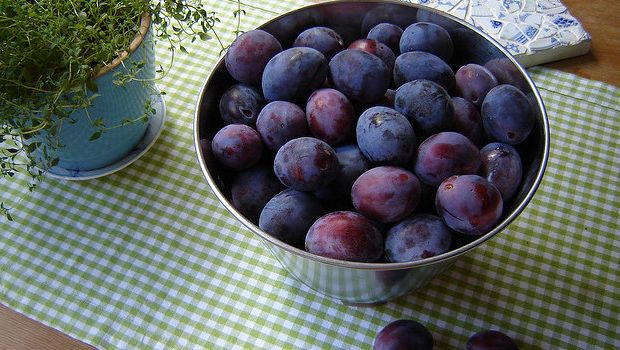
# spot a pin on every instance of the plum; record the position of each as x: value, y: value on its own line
x: 330, y: 116
x: 403, y: 334
x: 386, y: 193
x: 306, y: 164
x: 345, y: 235
x: 417, y: 237
x: 473, y: 82
x: 241, y: 104
x: 385, y: 136
x: 507, y: 115
x: 445, y: 154
x: 293, y: 74
x: 427, y: 37
x: 360, y: 75
x: 289, y: 214
x: 247, y: 56
x: 501, y: 165
x: 387, y: 33
x: 426, y: 105
x: 252, y: 189
x: 237, y: 146
x: 469, y: 204
x: 279, y: 122
x: 490, y: 340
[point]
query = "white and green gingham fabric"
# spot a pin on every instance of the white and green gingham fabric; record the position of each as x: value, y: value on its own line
x: 146, y: 258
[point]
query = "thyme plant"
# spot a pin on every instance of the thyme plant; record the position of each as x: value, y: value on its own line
x: 51, y: 49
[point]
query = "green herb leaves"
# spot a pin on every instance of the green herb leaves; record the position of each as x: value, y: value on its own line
x: 51, y: 49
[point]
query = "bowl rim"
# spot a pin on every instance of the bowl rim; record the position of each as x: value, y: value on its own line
x: 381, y: 266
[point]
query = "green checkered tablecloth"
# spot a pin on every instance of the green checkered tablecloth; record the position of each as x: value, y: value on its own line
x: 147, y: 257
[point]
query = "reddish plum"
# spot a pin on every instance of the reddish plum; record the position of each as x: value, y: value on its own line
x: 237, y: 146
x: 473, y: 82
x: 507, y: 72
x: 469, y: 204
x: 376, y: 48
x: 345, y: 235
x: 445, y: 154
x: 247, y: 56
x: 331, y: 116
x: 386, y: 193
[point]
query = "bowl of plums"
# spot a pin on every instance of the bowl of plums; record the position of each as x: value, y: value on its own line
x: 370, y: 143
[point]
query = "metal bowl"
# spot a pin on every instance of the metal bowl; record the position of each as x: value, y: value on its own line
x: 371, y: 283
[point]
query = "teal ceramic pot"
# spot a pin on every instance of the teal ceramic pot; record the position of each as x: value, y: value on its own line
x: 114, y: 105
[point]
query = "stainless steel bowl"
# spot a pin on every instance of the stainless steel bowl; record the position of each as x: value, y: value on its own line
x: 371, y: 283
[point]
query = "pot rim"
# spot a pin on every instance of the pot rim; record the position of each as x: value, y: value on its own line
x: 382, y: 266
x: 145, y: 24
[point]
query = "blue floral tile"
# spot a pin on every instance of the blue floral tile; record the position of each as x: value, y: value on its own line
x: 535, y: 31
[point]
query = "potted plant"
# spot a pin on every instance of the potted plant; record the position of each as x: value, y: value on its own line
x: 77, y: 77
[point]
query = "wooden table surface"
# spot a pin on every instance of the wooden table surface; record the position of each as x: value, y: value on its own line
x: 600, y: 18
